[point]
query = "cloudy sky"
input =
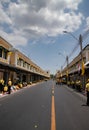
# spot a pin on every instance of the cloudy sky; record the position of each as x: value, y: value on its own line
x: 35, y: 27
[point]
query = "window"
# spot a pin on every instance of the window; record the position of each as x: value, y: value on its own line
x: 0, y: 52
x: 24, y: 64
x: 18, y: 62
x: 28, y: 66
x: 4, y: 54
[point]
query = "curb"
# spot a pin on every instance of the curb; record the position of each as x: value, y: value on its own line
x: 79, y: 94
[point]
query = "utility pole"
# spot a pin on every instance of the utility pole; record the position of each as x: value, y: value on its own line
x: 67, y: 60
x: 82, y: 62
x: 80, y: 40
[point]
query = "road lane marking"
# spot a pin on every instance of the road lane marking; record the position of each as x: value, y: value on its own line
x: 53, y: 121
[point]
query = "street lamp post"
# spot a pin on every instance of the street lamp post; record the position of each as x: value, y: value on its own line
x: 80, y: 40
x: 71, y: 35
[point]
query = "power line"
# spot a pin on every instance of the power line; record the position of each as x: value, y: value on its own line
x: 74, y: 49
x: 85, y: 34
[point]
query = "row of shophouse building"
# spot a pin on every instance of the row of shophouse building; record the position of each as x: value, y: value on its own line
x: 17, y: 66
x: 72, y: 73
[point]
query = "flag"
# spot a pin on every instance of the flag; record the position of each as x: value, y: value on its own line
x: 83, y: 68
x: 67, y: 73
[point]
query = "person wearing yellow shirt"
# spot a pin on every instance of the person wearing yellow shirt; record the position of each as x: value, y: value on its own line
x: 87, y: 90
x: 2, y: 85
x: 9, y: 86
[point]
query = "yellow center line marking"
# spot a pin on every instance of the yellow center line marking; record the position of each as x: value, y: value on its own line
x: 53, y: 121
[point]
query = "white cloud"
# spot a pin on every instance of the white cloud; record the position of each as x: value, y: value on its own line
x: 87, y: 21
x: 14, y: 38
x: 4, y: 18
x: 73, y: 4
x: 35, y: 18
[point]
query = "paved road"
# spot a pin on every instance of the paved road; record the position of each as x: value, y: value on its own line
x: 71, y: 110
x: 30, y: 109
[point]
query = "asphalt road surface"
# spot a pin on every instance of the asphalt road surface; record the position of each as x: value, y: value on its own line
x: 45, y: 106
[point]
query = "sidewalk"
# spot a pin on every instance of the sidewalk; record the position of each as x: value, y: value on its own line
x: 3, y: 95
x: 14, y: 91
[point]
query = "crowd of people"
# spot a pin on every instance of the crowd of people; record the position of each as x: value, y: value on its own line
x: 5, y: 88
x: 9, y: 87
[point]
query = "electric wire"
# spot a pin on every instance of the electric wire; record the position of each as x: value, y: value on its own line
x: 84, y: 36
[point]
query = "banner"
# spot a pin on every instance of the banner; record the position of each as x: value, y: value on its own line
x: 83, y: 68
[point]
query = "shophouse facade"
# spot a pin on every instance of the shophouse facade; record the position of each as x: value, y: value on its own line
x: 73, y: 71
x: 18, y: 67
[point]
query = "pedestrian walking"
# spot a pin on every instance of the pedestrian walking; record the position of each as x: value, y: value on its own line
x: 87, y: 90
x: 9, y: 86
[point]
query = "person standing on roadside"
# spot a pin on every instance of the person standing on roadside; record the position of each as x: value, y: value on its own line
x: 9, y: 86
x: 87, y: 90
x: 2, y: 85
